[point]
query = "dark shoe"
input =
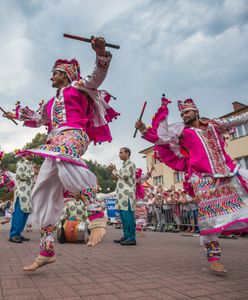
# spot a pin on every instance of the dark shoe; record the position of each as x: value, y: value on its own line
x: 120, y: 240
x: 15, y: 239
x: 128, y: 243
x: 24, y: 239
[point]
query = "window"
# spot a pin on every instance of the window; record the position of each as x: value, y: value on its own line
x: 240, y: 131
x: 157, y: 180
x: 178, y: 176
x: 246, y: 128
x: 243, y: 161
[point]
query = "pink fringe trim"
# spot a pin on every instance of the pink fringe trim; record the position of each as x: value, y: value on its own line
x: 26, y: 152
x: 226, y: 232
x: 99, y: 134
x: 47, y: 254
x: 31, y: 124
x: 17, y: 111
x: 111, y: 114
x: 96, y: 216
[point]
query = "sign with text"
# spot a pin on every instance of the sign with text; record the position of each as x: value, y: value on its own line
x: 112, y: 212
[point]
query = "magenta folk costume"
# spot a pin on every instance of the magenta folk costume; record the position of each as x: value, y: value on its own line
x: 211, y: 174
x: 75, y: 116
x: 7, y: 179
x: 141, y: 212
x: 140, y: 179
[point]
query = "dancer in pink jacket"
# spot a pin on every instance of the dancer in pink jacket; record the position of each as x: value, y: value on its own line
x: 78, y: 114
x: 198, y: 149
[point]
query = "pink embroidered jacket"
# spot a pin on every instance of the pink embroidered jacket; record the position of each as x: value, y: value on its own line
x: 71, y: 108
x: 192, y: 150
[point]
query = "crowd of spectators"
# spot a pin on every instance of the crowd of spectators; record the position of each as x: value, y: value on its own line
x: 169, y: 210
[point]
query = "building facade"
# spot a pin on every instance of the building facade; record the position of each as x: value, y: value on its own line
x: 237, y: 148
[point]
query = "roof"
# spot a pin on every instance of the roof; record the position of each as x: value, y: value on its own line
x: 146, y: 150
x: 238, y: 108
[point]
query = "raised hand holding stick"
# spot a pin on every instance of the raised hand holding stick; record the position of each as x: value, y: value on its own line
x: 8, y: 115
x: 87, y: 40
x: 140, y: 118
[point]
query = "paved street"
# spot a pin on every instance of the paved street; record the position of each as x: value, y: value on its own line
x: 161, y: 266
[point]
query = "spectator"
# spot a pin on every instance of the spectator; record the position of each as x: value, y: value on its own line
x: 151, y: 208
x: 185, y: 212
x: 194, y: 215
x: 158, y: 206
x: 175, y: 209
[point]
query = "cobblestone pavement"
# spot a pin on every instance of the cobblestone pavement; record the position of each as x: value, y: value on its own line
x: 161, y: 266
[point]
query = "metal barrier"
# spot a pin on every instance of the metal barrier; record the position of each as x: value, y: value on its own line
x: 172, y: 217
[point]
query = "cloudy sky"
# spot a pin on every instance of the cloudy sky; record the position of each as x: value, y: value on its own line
x: 187, y: 48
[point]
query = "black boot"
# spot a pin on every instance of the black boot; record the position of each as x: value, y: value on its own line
x: 15, y: 239
x: 120, y: 240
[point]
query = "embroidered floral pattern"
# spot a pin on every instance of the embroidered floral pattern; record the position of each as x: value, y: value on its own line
x: 24, y: 113
x: 213, y: 250
x: 102, y: 63
x: 212, y: 146
x: 218, y: 197
x: 47, y: 241
x: 71, y: 144
x: 58, y: 114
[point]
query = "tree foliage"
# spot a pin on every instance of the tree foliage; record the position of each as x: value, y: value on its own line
x: 38, y: 140
x: 103, y: 175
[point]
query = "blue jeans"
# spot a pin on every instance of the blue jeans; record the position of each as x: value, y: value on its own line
x: 128, y: 222
x: 194, y: 216
x: 18, y: 221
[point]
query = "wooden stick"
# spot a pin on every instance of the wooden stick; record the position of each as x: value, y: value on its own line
x: 141, y: 115
x: 82, y: 39
x: 6, y: 113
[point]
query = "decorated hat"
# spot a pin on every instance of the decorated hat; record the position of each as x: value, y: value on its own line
x: 188, y: 104
x: 70, y: 67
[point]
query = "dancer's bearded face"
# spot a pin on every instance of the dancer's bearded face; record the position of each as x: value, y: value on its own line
x: 189, y: 116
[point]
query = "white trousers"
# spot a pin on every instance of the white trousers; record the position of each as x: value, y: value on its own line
x: 56, y: 177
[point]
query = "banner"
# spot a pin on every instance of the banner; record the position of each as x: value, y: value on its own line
x: 112, y: 212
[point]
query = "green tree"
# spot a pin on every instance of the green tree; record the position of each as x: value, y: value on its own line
x: 9, y: 162
x: 103, y: 175
x: 38, y: 140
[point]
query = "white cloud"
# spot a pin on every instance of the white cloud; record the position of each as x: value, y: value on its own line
x: 185, y: 48
x: 15, y: 137
x: 14, y: 52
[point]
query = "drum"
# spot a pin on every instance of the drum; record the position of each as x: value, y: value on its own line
x: 72, y: 231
